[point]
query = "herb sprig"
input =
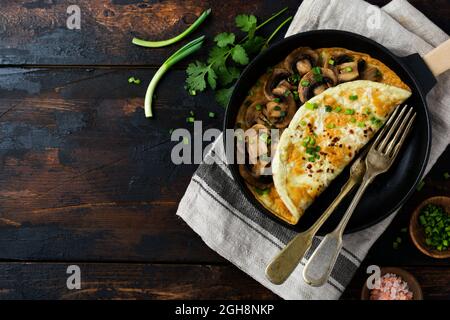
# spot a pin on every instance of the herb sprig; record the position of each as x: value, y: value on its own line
x: 228, y: 56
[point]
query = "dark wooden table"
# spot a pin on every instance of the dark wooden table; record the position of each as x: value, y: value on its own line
x: 85, y: 179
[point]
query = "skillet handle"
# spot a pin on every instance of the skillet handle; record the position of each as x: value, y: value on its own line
x: 438, y: 59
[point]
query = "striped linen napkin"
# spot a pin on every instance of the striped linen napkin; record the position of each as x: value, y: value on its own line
x: 215, y: 208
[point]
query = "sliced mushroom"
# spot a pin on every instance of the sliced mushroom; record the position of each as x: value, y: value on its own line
x: 254, y: 113
x: 368, y: 71
x: 347, y: 71
x: 257, y: 159
x: 315, y: 82
x: 277, y: 76
x: 280, y: 113
x: 301, y: 60
x: 332, y: 60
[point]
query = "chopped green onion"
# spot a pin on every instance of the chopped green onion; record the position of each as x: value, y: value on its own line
x: 277, y: 108
x: 331, y: 126
x: 134, y: 80
x: 180, y: 54
x: 338, y: 109
x: 353, y: 97
x: 192, y: 92
x: 361, y: 124
x: 303, y: 123
x: 348, y: 69
x: 258, y: 107
x: 331, y: 62
x: 163, y: 43
x: 190, y: 119
x: 296, y: 97
x: 352, y: 120
x: 304, y: 83
x: 316, y: 70
x: 349, y: 111
x: 318, y: 77
x: 211, y: 114
x: 311, y: 106
x: 276, y: 100
x: 328, y: 109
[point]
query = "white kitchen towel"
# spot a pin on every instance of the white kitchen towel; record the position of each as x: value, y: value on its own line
x: 215, y: 208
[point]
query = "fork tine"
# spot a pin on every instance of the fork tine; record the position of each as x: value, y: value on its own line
x: 391, y: 131
x: 398, y: 133
x: 403, y: 137
x: 385, y: 128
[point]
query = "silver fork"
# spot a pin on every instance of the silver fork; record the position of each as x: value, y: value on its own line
x: 379, y: 159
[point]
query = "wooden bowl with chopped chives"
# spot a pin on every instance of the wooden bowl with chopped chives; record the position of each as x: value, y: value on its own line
x: 429, y: 227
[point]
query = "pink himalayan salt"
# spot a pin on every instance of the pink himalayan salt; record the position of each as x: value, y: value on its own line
x: 392, y: 287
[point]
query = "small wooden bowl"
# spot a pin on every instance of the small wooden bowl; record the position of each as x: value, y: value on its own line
x: 412, y: 282
x: 417, y: 232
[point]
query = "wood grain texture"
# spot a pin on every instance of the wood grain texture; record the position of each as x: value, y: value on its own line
x: 35, y: 32
x: 128, y: 281
x: 85, y: 177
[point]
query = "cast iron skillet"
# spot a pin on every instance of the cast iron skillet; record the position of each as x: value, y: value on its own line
x: 390, y: 190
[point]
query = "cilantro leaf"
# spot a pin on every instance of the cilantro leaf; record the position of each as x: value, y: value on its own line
x: 196, y: 76
x: 218, y: 56
x: 227, y: 75
x: 247, y: 23
x: 224, y: 39
x: 223, y: 96
x: 212, y: 78
x: 253, y: 45
x: 239, y: 55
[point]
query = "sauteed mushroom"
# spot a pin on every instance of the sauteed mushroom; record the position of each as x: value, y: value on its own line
x: 368, y: 71
x: 301, y: 60
x: 257, y: 157
x: 347, y: 71
x: 315, y: 82
x: 254, y: 113
x: 274, y: 80
x: 343, y: 64
x: 281, y: 110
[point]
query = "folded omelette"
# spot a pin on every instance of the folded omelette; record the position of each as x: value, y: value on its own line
x: 324, y: 136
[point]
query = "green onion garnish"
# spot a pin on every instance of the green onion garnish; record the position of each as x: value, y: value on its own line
x: 180, y: 54
x: 338, y: 109
x: 304, y: 83
x: 134, y: 80
x: 353, y: 97
x: 258, y: 107
x: 331, y: 62
x: 349, y: 111
x: 331, y: 126
x: 276, y: 100
x: 436, y: 225
x: 310, y: 106
x: 328, y: 108
x: 361, y: 124
x: 163, y: 43
x: 211, y: 114
x: 348, y: 69
x: 190, y: 119
x: 316, y: 70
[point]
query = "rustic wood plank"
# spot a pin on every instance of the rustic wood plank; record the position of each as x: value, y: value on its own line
x: 128, y: 281
x: 84, y: 176
x: 166, y: 281
x: 34, y: 31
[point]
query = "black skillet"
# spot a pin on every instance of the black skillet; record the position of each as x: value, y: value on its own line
x: 390, y: 190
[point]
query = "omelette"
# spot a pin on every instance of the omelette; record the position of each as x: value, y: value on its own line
x: 324, y: 136
x: 276, y: 100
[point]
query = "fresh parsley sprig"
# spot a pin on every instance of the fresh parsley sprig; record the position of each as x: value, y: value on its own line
x: 228, y: 56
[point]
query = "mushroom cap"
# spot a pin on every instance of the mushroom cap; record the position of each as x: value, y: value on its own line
x: 277, y: 75
x: 347, y: 71
x: 317, y: 83
x: 254, y: 113
x: 281, y: 113
x: 302, y: 58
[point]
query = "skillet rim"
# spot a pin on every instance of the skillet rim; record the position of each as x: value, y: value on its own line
x: 417, y: 89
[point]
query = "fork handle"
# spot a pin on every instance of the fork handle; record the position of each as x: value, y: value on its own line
x: 281, y: 267
x: 322, y: 261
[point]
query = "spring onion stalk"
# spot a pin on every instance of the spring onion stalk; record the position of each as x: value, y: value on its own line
x: 180, y: 54
x: 266, y: 44
x: 266, y: 22
x: 163, y: 43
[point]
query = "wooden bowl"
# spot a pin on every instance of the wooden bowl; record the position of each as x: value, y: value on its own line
x: 417, y: 232
x: 412, y: 282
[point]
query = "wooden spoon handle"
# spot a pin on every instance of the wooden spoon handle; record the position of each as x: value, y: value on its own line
x: 438, y: 59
